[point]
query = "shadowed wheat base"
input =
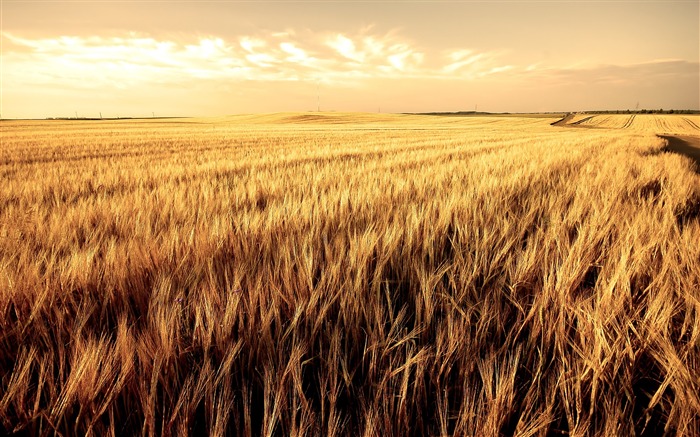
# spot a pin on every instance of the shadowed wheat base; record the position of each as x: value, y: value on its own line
x: 348, y: 274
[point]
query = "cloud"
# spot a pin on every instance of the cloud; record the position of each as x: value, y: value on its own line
x: 296, y: 55
x: 634, y: 74
x: 462, y: 58
x: 124, y: 60
x: 250, y: 45
x: 294, y: 59
x: 346, y: 48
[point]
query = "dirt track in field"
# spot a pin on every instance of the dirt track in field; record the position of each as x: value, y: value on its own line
x: 564, y: 120
x: 686, y: 145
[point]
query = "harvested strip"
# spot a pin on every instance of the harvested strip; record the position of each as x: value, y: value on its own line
x: 685, y: 145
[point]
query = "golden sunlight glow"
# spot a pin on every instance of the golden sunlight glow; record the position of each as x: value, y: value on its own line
x: 49, y: 71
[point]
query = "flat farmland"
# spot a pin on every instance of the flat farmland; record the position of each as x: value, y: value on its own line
x: 349, y: 274
x: 650, y: 123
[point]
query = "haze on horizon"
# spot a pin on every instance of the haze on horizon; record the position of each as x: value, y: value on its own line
x: 223, y: 57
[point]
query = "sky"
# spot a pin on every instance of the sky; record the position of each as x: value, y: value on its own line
x: 210, y: 58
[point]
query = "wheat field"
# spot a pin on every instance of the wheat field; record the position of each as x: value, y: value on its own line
x: 349, y: 274
x: 659, y: 124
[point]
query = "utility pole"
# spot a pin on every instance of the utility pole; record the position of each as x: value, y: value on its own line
x: 100, y: 116
x: 318, y: 98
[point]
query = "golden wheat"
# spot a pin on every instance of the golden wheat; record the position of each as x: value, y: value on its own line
x: 650, y: 123
x: 347, y: 274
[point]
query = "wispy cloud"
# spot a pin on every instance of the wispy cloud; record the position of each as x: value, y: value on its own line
x: 639, y: 73
x: 346, y: 48
x: 279, y: 69
x: 97, y: 61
